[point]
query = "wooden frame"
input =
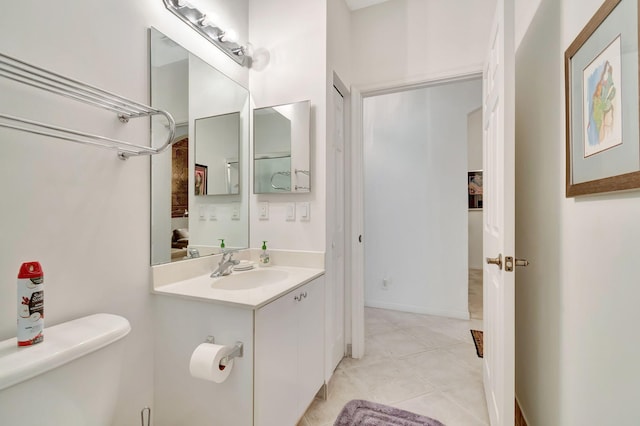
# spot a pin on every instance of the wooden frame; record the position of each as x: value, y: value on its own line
x: 180, y: 178
x: 590, y: 120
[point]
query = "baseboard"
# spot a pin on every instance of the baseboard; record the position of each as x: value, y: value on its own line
x: 418, y: 309
x: 520, y: 419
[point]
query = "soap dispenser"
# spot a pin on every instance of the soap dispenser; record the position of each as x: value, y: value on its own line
x: 221, y: 245
x: 265, y: 259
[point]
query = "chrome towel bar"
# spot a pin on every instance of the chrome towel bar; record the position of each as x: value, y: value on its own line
x: 40, y: 78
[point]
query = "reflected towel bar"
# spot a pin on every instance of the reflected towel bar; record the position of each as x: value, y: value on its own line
x: 280, y: 188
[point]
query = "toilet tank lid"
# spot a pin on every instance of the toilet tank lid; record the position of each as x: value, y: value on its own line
x: 62, y: 344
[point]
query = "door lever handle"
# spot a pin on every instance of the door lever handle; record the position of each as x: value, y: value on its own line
x: 495, y: 261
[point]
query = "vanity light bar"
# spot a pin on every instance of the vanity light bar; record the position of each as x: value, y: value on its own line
x: 199, y: 21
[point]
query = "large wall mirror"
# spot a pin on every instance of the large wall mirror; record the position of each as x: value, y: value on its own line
x: 199, y: 192
x: 281, y: 149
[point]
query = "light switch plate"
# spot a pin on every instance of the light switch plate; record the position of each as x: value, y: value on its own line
x: 213, y: 213
x: 202, y: 212
x: 235, y: 213
x: 291, y: 212
x: 304, y: 211
x: 263, y: 210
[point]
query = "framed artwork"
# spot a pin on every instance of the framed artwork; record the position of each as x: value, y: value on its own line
x: 180, y: 178
x: 601, y: 101
x: 474, y: 185
x: 201, y: 179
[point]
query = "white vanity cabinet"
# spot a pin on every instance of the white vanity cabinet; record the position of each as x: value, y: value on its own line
x: 289, y: 355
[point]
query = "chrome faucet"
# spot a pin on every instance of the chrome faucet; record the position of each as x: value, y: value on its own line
x: 227, y: 262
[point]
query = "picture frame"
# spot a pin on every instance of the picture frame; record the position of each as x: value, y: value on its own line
x: 474, y: 189
x: 200, y: 180
x: 601, y: 101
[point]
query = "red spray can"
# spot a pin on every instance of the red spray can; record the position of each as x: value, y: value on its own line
x: 30, y: 304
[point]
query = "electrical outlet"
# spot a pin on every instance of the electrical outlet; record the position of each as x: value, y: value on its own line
x: 386, y: 283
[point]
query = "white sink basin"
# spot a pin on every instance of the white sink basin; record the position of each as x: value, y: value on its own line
x: 250, y: 279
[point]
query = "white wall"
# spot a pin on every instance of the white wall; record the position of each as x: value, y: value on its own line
x: 474, y: 162
x: 79, y: 210
x: 415, y: 176
x: 403, y: 41
x: 294, y: 34
x: 576, y: 304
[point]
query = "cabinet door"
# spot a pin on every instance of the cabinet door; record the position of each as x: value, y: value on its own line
x: 311, y: 352
x: 276, y: 360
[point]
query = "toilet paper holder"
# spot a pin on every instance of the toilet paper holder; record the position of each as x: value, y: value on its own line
x: 237, y: 352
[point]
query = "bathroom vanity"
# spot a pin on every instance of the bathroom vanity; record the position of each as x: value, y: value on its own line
x: 278, y: 315
x: 289, y: 332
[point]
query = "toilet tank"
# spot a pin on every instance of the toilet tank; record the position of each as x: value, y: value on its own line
x: 69, y: 379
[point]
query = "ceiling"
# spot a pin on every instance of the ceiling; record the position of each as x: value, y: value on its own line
x: 359, y: 4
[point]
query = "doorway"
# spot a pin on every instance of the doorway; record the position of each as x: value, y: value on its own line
x: 415, y: 165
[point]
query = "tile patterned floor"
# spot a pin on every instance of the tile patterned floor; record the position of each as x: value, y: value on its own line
x: 420, y: 363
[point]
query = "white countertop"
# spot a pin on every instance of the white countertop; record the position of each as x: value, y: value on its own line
x: 201, y: 287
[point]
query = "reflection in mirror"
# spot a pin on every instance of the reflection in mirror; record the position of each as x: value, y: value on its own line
x: 217, y: 151
x: 197, y: 95
x: 281, y: 148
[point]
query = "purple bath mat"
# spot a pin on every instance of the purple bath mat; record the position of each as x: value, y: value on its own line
x: 365, y: 413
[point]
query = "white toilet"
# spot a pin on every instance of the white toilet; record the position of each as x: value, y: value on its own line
x: 69, y: 379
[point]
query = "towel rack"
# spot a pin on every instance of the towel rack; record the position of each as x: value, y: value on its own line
x: 31, y: 75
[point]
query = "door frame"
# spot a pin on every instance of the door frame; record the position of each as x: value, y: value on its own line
x: 355, y: 265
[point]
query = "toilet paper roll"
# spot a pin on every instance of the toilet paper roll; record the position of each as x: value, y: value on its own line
x: 205, y: 362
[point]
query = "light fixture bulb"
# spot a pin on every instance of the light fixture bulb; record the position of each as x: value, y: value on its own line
x: 238, y: 51
x: 206, y: 21
x: 247, y: 49
x: 229, y: 36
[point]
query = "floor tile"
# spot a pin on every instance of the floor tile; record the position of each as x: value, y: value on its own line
x: 471, y: 398
x: 421, y: 363
x: 436, y: 405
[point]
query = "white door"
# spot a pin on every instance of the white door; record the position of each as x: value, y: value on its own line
x: 499, y: 210
x: 336, y: 287
x: 277, y: 334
